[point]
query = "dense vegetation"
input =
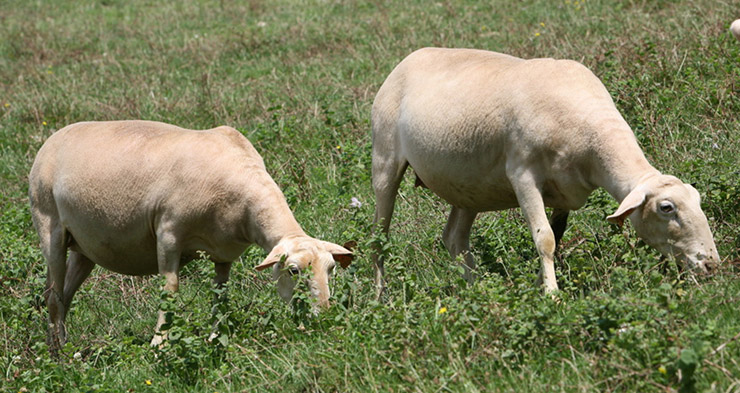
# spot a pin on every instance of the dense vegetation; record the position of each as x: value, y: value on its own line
x: 298, y: 77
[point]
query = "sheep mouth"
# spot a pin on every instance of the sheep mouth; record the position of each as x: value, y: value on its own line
x: 700, y: 264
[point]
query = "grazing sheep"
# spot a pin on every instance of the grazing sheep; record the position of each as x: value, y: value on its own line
x: 141, y: 197
x: 735, y: 29
x: 487, y: 131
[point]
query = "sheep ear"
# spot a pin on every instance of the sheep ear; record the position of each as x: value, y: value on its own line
x: 692, y: 190
x: 275, y: 256
x: 634, y: 199
x: 339, y: 253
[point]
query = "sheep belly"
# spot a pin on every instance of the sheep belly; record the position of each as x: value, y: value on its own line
x: 493, y: 193
x: 126, y: 250
x: 478, y: 181
x: 479, y: 194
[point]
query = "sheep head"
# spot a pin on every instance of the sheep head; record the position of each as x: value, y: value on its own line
x: 667, y: 215
x: 293, y: 256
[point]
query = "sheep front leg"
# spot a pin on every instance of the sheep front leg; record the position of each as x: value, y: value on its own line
x: 456, y: 238
x: 533, y: 209
x: 222, y: 276
x: 168, y: 258
x: 222, y: 273
x: 558, y: 223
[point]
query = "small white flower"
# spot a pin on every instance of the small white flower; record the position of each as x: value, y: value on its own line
x: 354, y: 202
x: 715, y: 146
x: 261, y: 24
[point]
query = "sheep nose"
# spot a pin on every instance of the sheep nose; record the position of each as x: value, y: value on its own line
x: 320, y: 307
x: 709, y: 263
x: 322, y: 302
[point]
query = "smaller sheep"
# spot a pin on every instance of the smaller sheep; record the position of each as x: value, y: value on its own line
x: 735, y: 29
x: 141, y: 197
x: 487, y: 131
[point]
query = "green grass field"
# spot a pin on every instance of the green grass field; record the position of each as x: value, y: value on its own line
x: 298, y: 79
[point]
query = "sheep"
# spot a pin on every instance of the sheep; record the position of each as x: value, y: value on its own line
x: 487, y: 131
x: 142, y: 197
x: 735, y: 29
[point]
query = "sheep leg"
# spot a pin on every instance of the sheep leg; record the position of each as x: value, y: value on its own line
x: 222, y: 276
x: 456, y: 238
x: 533, y: 209
x: 558, y: 222
x: 78, y: 269
x: 168, y: 259
x: 222, y: 273
x: 387, y: 176
x: 54, y: 248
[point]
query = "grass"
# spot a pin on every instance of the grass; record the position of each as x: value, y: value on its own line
x: 298, y: 79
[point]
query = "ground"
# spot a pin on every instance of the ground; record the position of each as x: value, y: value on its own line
x: 298, y: 79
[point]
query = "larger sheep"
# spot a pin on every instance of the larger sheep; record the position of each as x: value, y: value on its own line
x: 487, y: 131
x: 140, y: 197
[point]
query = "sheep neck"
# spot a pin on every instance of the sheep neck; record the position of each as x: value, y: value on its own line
x: 270, y: 220
x: 622, y: 164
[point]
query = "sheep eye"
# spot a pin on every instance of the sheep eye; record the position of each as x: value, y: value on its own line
x: 293, y: 270
x: 667, y: 207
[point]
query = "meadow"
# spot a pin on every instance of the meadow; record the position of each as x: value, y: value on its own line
x: 298, y: 77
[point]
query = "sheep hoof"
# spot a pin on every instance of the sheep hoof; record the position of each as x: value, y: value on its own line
x: 158, y: 340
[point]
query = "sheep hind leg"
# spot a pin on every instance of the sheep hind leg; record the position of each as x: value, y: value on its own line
x: 54, y: 247
x: 387, y: 176
x: 456, y: 238
x: 78, y: 269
